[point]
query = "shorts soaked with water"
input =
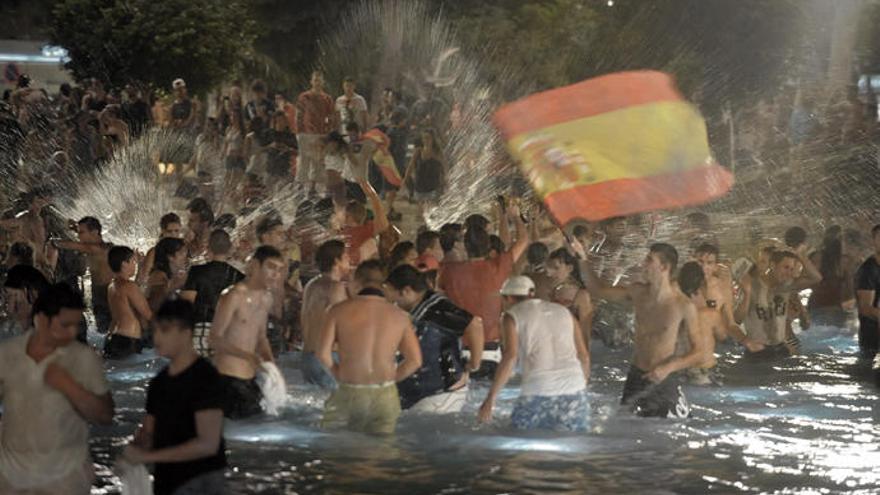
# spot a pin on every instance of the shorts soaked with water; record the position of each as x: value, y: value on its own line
x: 315, y: 373
x: 551, y: 412
x: 648, y: 399
x: 241, y: 398
x: 364, y: 408
x: 120, y: 347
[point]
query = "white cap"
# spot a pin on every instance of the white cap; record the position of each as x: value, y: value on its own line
x: 178, y: 83
x: 518, y: 286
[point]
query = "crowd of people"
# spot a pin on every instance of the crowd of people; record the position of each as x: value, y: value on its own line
x: 385, y: 323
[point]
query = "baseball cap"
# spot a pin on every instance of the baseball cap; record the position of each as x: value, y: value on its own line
x: 178, y: 83
x: 518, y: 286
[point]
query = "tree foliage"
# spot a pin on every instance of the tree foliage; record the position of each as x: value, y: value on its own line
x: 154, y: 42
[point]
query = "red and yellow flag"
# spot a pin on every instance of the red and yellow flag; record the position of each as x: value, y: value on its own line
x: 382, y: 156
x: 615, y: 145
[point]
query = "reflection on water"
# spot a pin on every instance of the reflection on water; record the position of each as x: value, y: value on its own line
x: 804, y: 425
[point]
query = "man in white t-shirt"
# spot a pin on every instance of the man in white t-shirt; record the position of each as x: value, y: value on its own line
x: 351, y: 107
x: 52, y: 388
x: 546, y: 340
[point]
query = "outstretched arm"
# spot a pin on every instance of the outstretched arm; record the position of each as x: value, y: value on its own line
x: 381, y: 219
x: 810, y: 276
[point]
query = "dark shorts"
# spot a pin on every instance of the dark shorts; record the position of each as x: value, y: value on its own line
x: 241, y: 398
x: 648, y: 399
x: 869, y: 337
x: 769, y: 353
x: 120, y: 346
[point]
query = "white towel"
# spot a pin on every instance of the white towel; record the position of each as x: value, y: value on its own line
x: 135, y: 478
x: 273, y: 387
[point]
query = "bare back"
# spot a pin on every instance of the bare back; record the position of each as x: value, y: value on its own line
x: 122, y: 295
x: 320, y: 293
x: 657, y: 324
x: 369, y: 331
x: 240, y: 319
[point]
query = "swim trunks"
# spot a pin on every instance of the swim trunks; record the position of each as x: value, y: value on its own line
x: 770, y: 352
x: 365, y: 408
x: 201, y: 333
x: 241, y: 398
x: 551, y: 412
x: 120, y: 347
x: 442, y: 403
x: 315, y: 373
x: 648, y: 399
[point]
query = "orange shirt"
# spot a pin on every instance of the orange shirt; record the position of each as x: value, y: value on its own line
x: 315, y: 113
x: 355, y: 237
x: 475, y: 285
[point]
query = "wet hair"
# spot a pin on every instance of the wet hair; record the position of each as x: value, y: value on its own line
x: 563, y: 256
x: 795, y: 236
x: 258, y: 86
x: 348, y: 79
x: 317, y: 72
x: 537, y: 253
x: 352, y: 128
x: 476, y: 221
x: 23, y: 252
x: 266, y: 224
x: 691, y: 278
x: 707, y: 248
x: 370, y: 272
x: 206, y: 215
x: 406, y: 276
x: 875, y: 230
x: 178, y: 311
x: 425, y: 240
x: 91, y: 223
x: 167, y: 219
x: 26, y: 278
x: 264, y: 253
x: 398, y: 252
x: 450, y: 233
x: 328, y: 254
x: 57, y: 297
x: 496, y: 244
x: 196, y: 204
x: 580, y: 231
x: 117, y: 255
x: 225, y: 221
x: 667, y: 254
x: 219, y: 242
x: 165, y: 249
x: 780, y: 255
x: 831, y: 256
x: 323, y: 211
x: 476, y: 242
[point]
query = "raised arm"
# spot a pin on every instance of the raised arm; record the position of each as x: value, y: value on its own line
x: 82, y: 247
x: 522, y: 234
x: 509, y: 350
x: 598, y: 288
x: 810, y: 277
x: 380, y: 218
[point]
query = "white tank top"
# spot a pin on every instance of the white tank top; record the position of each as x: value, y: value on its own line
x: 768, y: 309
x: 547, y: 354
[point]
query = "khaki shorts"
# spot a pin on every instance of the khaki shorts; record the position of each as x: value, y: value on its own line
x: 364, y: 408
x: 77, y: 482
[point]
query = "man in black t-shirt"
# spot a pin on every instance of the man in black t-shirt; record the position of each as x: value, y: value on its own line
x: 205, y: 283
x: 867, y: 284
x: 440, y: 385
x: 182, y: 433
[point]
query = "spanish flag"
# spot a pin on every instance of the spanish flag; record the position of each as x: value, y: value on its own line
x: 615, y: 145
x: 382, y: 156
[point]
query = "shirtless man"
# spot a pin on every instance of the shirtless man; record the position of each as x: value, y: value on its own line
x: 692, y: 282
x: 128, y: 306
x: 368, y: 331
x: 320, y: 294
x: 719, y: 297
x: 238, y: 333
x: 92, y: 244
x: 30, y: 223
x: 652, y: 387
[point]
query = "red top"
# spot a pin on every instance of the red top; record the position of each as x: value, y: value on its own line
x: 475, y: 285
x: 355, y: 237
x: 314, y: 113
